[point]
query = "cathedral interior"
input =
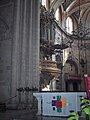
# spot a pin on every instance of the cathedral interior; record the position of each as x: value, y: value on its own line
x: 44, y: 47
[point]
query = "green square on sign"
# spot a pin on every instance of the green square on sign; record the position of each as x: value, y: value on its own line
x: 59, y: 110
x: 58, y: 98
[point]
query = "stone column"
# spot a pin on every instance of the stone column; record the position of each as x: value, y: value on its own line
x: 71, y: 87
x: 63, y: 84
x: 33, y: 43
x: 54, y: 85
x: 25, y: 53
x: 16, y: 50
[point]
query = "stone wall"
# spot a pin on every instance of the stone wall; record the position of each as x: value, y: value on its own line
x: 6, y: 22
x: 19, y: 49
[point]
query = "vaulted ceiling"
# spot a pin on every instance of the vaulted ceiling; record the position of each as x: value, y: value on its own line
x: 73, y: 8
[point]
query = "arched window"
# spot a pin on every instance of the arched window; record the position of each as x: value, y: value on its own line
x: 69, y: 25
x: 57, y: 14
x: 43, y: 2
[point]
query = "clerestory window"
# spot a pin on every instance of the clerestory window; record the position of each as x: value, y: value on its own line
x: 69, y: 25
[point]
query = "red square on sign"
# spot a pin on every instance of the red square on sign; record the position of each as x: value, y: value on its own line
x: 58, y: 104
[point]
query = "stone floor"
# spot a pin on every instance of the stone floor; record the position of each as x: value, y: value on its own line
x: 27, y: 115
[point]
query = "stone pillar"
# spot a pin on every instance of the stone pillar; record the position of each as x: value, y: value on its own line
x: 71, y: 87
x: 34, y: 40
x: 63, y: 84
x: 25, y: 53
x: 54, y: 85
x: 16, y: 50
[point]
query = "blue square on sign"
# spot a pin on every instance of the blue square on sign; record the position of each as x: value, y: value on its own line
x: 53, y: 102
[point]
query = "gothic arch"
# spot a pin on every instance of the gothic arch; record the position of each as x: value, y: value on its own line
x: 55, y: 4
x: 71, y: 66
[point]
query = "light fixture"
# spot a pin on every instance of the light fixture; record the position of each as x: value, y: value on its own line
x: 82, y: 32
x: 80, y: 35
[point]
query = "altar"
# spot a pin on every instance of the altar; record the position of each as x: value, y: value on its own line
x: 58, y: 103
